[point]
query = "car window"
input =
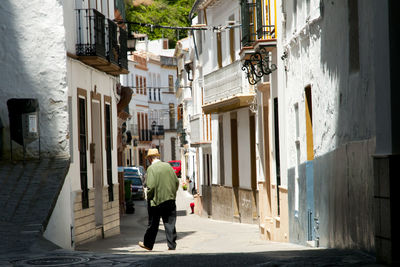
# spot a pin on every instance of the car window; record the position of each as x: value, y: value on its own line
x: 131, y: 171
x: 174, y: 164
x: 136, y: 181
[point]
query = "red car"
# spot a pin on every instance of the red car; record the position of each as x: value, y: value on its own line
x: 176, y: 165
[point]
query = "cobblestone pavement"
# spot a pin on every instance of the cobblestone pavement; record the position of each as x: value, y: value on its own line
x: 201, y: 242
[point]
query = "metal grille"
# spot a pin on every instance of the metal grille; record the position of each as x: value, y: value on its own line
x: 90, y: 33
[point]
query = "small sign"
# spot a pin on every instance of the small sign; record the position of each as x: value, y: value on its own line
x: 32, y: 123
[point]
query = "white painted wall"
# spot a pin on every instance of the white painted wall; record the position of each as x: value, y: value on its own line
x: 214, y: 151
x: 59, y: 229
x: 243, y: 131
x: 218, y: 16
x: 29, y: 70
x: 85, y: 77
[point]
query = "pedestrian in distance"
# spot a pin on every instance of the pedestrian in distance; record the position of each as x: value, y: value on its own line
x: 162, y: 185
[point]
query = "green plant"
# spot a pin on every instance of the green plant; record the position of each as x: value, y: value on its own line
x: 128, y: 192
x: 159, y: 12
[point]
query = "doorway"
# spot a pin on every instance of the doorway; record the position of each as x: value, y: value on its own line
x: 97, y: 160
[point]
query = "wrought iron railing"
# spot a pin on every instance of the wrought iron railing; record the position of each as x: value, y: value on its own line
x: 248, y: 9
x: 112, y: 47
x: 157, y: 129
x: 258, y: 21
x: 123, y: 48
x: 168, y: 61
x: 90, y: 33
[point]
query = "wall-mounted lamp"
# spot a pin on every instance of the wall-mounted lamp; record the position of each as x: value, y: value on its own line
x: 284, y: 56
x: 189, y: 71
x: 257, y: 66
x: 131, y: 43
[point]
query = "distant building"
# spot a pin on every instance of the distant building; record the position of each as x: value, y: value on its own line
x: 153, y: 106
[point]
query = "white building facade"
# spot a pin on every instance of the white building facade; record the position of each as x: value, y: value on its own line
x: 153, y: 107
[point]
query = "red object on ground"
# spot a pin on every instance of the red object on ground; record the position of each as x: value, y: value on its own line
x: 192, y: 206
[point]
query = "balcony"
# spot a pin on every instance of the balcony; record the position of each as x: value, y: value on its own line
x: 98, y: 44
x: 226, y: 89
x: 157, y: 130
x: 195, y: 130
x: 258, y: 26
x: 168, y: 61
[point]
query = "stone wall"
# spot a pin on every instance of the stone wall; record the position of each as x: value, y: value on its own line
x: 111, y: 220
x: 85, y: 225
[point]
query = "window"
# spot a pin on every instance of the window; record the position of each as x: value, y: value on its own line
x: 309, y: 126
x: 354, y: 54
x: 173, y: 141
x: 146, y: 126
x: 144, y: 86
x: 108, y: 137
x: 82, y: 129
x: 141, y: 85
x: 219, y: 50
x: 171, y: 83
x: 139, y: 125
x: 171, y: 116
x: 232, y: 39
x: 137, y: 84
x: 277, y: 156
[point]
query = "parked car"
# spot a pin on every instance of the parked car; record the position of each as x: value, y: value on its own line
x: 136, y: 186
x: 141, y: 170
x: 131, y: 171
x: 176, y: 165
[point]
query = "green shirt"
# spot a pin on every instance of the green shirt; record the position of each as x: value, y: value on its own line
x: 162, y: 183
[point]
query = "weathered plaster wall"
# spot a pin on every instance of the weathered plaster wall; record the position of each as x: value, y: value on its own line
x: 343, y: 129
x: 33, y: 65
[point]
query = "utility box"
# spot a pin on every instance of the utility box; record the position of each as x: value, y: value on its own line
x: 23, y: 114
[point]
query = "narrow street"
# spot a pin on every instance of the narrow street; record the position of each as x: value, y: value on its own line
x: 201, y: 242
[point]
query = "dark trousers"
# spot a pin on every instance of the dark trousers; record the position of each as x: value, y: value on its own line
x: 166, y: 211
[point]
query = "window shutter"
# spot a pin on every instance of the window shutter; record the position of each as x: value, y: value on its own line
x: 245, y: 23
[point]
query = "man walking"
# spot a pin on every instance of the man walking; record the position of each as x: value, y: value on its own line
x: 162, y: 185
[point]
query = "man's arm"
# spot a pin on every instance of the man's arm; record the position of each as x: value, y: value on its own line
x: 150, y: 184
